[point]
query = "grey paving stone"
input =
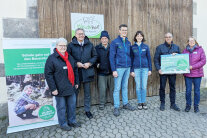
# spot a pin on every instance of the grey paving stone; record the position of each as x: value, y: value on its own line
x: 139, y: 124
x: 111, y: 135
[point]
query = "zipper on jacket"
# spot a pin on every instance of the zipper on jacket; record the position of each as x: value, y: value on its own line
x: 140, y: 55
x: 124, y: 43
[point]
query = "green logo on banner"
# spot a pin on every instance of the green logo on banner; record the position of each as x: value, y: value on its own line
x: 46, y: 112
x: 182, y: 64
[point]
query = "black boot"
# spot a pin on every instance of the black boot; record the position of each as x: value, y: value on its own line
x: 21, y: 116
x: 29, y: 114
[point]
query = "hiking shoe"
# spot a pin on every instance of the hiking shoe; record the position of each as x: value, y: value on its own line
x: 196, y: 109
x: 162, y: 106
x: 66, y: 128
x: 116, y: 112
x: 187, y: 108
x: 174, y: 107
x: 144, y: 106
x: 89, y: 115
x: 101, y: 107
x: 139, y: 106
x: 77, y: 124
x: 129, y: 107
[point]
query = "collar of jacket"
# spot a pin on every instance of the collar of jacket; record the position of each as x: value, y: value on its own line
x: 140, y: 44
x: 165, y: 43
x: 126, y: 39
x: 75, y: 41
x: 55, y: 53
x: 102, y: 47
x: 194, y: 47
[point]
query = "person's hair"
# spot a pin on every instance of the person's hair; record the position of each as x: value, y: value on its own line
x: 61, y: 40
x: 27, y: 87
x: 194, y: 39
x: 141, y: 33
x: 122, y: 25
x: 76, y: 30
x: 169, y: 34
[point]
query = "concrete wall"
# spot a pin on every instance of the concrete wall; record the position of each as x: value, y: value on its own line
x: 15, y: 16
x: 200, y: 28
x: 8, y: 9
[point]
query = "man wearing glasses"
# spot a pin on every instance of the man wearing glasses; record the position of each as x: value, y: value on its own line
x: 120, y: 65
x: 168, y: 47
x: 85, y: 55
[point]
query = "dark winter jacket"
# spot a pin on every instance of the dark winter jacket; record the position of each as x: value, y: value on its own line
x: 103, y: 60
x: 56, y: 74
x: 140, y: 57
x: 197, y: 60
x: 83, y: 54
x: 120, y: 53
x: 164, y: 49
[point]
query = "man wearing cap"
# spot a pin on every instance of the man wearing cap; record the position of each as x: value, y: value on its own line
x: 105, y: 78
x: 120, y: 65
x: 85, y: 56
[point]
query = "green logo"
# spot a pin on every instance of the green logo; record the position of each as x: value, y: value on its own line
x: 182, y: 64
x: 46, y: 112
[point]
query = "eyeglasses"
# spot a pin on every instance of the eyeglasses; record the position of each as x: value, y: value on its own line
x: 168, y: 37
x: 62, y: 46
x: 81, y: 34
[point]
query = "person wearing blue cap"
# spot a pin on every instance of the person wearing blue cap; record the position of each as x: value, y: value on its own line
x: 105, y: 78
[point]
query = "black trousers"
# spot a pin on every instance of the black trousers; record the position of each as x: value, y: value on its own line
x: 87, y: 95
x: 163, y: 80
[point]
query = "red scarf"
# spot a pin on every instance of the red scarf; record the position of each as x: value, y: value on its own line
x: 70, y: 69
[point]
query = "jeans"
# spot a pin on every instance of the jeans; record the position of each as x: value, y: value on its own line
x: 163, y: 80
x: 66, y: 105
x: 87, y: 95
x: 188, y: 83
x: 104, y: 83
x: 21, y: 110
x: 141, y: 76
x: 121, y: 82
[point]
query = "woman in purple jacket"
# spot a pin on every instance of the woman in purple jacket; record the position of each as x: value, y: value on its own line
x: 197, y: 60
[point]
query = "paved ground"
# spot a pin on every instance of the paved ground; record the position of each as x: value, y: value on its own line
x: 149, y: 123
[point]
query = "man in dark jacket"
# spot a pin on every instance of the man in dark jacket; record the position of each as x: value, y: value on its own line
x: 105, y: 78
x: 120, y: 61
x: 164, y: 49
x: 85, y: 56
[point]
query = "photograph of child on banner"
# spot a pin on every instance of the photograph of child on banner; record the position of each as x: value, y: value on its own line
x: 26, y: 95
x: 25, y: 105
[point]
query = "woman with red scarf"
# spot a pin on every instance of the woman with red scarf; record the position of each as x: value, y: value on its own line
x: 62, y: 77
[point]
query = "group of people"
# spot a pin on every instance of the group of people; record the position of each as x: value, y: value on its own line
x: 72, y: 65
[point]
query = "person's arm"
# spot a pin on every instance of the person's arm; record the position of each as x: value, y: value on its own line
x: 112, y: 56
x: 179, y: 50
x: 93, y: 55
x: 98, y: 58
x: 28, y: 99
x: 76, y: 74
x: 157, y: 59
x: 201, y: 63
x: 149, y: 59
x: 49, y: 74
x: 132, y: 59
